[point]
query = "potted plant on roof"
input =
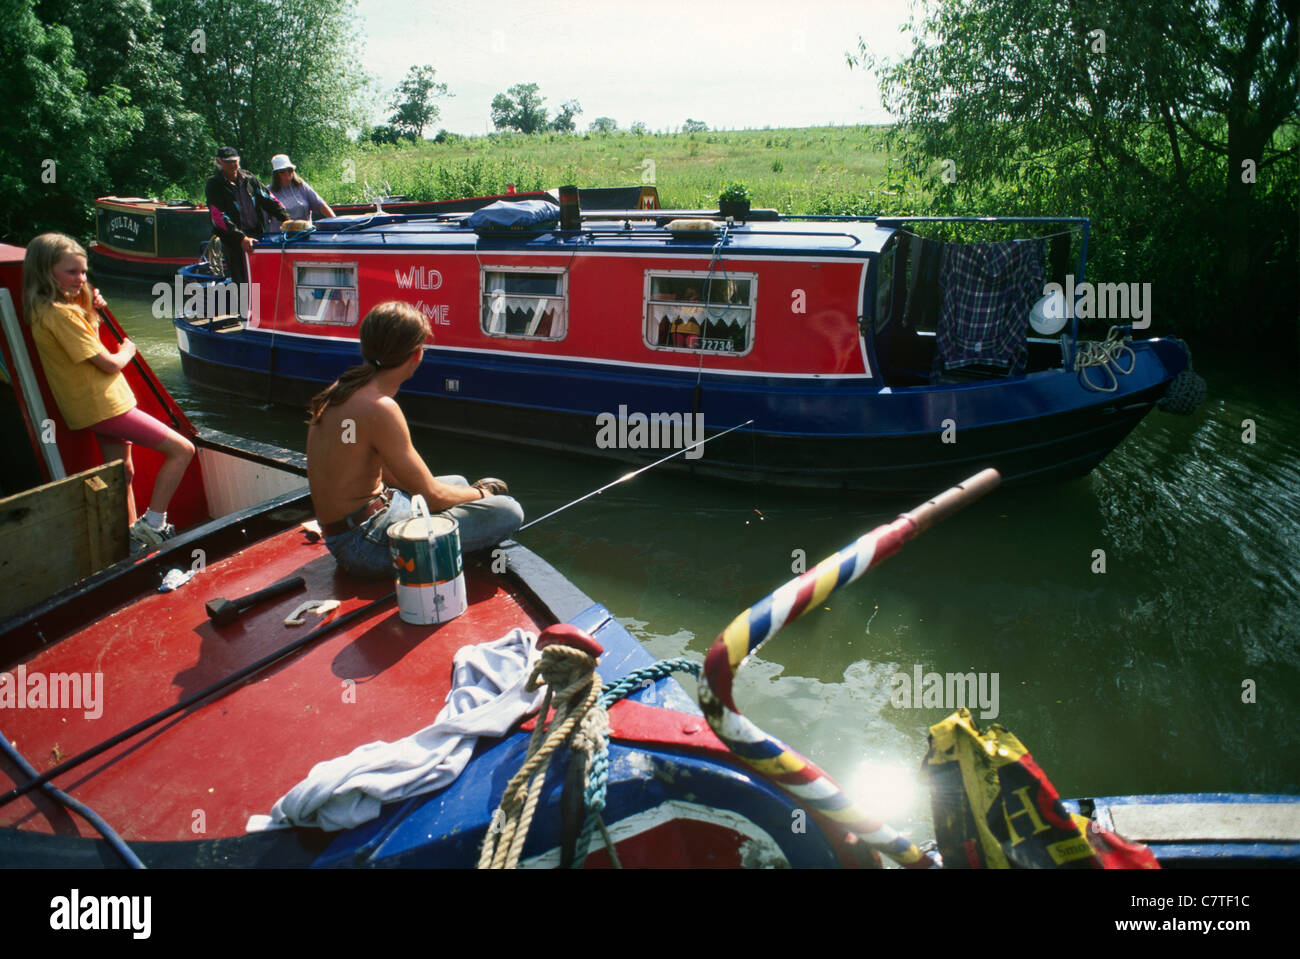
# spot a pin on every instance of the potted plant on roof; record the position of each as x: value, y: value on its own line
x: 733, y: 201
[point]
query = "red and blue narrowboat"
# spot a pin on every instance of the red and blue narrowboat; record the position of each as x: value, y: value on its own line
x: 866, y: 356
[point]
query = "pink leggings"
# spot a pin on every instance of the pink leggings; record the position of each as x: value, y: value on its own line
x: 133, y: 426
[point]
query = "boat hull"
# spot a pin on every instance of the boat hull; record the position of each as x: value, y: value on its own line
x: 825, y: 432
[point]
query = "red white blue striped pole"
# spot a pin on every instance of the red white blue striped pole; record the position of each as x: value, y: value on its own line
x: 768, y: 755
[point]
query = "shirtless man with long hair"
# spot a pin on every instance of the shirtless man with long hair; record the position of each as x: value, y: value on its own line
x: 362, y: 468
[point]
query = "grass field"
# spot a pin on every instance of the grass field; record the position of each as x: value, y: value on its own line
x: 810, y: 170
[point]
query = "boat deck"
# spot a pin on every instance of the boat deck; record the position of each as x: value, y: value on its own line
x: 201, y: 773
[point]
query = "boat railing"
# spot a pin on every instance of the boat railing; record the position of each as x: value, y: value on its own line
x: 441, y: 224
x: 662, y: 218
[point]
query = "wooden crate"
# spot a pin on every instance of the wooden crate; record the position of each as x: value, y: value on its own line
x: 56, y: 534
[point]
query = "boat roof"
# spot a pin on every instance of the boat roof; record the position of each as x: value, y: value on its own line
x: 234, y: 755
x: 633, y: 231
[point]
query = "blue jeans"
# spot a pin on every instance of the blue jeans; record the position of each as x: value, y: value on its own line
x: 363, y: 550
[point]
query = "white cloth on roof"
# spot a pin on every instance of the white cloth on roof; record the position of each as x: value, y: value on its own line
x: 487, y: 698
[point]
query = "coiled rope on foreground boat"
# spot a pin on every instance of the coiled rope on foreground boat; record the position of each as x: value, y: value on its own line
x: 766, y: 754
x: 582, y: 720
x: 573, y: 688
x: 597, y: 774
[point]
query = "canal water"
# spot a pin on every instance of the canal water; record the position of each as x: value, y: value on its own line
x: 1136, y: 629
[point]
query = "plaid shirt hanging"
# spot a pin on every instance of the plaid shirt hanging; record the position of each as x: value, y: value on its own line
x: 988, y: 289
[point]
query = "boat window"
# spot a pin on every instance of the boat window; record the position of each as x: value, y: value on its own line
x: 700, y: 312
x: 326, y: 293
x: 525, y: 303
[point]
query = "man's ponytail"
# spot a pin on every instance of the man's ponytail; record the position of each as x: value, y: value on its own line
x: 390, y: 333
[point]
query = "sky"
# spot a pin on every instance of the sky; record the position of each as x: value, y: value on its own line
x: 729, y: 63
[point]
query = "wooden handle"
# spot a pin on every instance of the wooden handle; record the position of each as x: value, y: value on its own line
x: 954, y: 499
x: 279, y: 589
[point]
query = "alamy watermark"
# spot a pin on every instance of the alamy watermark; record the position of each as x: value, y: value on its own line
x: 657, y: 431
x: 1101, y: 301
x: 205, y: 299
x: 75, y: 912
x: 23, y: 690
x: 922, y: 690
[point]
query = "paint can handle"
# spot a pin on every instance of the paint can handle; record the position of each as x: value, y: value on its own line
x: 420, y: 508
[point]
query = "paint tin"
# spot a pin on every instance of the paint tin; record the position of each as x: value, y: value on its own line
x: 426, y: 557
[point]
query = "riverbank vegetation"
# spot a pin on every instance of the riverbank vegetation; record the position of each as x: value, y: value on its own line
x: 1173, y: 127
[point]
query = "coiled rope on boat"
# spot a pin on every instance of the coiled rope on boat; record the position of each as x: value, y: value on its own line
x: 1105, y: 355
x: 573, y: 688
x: 597, y: 776
x: 582, y: 720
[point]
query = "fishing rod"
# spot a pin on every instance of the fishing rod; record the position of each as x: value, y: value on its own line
x: 627, y: 476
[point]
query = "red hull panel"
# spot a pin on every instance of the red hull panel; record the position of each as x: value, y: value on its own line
x: 805, y: 312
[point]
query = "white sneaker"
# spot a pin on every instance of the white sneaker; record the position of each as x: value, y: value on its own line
x: 149, y: 537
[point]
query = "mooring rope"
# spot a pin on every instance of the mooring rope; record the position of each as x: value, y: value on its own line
x: 597, y: 775
x: 573, y: 687
x: 1106, y: 354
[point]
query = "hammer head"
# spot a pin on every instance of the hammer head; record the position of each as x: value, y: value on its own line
x: 222, y: 611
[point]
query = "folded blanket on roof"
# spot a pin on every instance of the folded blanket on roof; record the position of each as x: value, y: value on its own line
x: 988, y: 289
x: 487, y: 698
x: 514, y: 215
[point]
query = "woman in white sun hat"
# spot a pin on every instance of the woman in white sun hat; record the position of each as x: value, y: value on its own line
x: 297, y: 196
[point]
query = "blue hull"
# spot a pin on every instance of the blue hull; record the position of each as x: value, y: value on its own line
x: 830, y: 432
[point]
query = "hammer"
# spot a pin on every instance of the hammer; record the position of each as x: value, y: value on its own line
x: 224, y: 611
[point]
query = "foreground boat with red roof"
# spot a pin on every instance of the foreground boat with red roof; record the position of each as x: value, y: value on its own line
x: 106, y: 653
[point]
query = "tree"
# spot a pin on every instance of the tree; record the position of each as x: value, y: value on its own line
x: 384, y: 134
x: 120, y: 44
x: 563, y: 122
x: 639, y: 128
x: 695, y: 126
x: 1175, y: 119
x: 413, y: 106
x: 604, y: 125
x: 520, y: 108
x: 56, y: 132
x: 269, y: 78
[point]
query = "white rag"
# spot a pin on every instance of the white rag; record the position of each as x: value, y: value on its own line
x: 487, y: 698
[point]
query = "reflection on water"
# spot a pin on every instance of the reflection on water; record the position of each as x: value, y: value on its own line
x: 1123, y: 681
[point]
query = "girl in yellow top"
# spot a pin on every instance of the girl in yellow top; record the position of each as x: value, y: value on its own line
x: 87, y: 380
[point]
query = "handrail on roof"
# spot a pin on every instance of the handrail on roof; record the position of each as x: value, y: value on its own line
x: 648, y: 233
x: 890, y: 220
x: 663, y: 217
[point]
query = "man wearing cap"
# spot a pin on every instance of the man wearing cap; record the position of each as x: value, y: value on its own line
x: 295, y: 193
x: 236, y: 200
